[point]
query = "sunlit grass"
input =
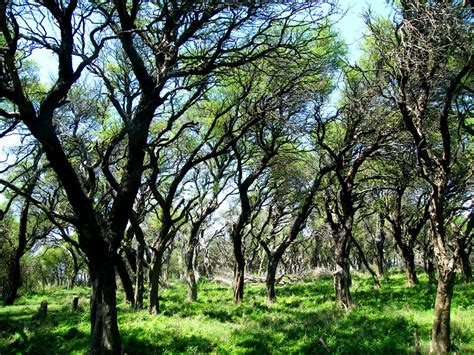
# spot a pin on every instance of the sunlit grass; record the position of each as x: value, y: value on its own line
x: 304, y: 320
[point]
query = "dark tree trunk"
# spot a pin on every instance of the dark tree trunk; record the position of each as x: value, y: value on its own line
x: 365, y: 262
x: 239, y: 267
x: 428, y: 263
x: 342, y: 283
x: 342, y: 276
x: 189, y: 261
x: 409, y: 259
x: 190, y: 274
x: 440, y: 338
x: 14, y: 274
x: 239, y: 274
x: 125, y: 278
x: 13, y: 281
x: 72, y: 278
x: 139, y: 287
x: 75, y: 269
x: 408, y: 255
x: 105, y: 336
x: 465, y: 262
x: 379, y: 247
x: 154, y: 281
x: 380, y: 259
x: 272, y: 267
x: 165, y: 267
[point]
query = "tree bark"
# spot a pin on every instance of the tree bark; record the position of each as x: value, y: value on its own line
x: 409, y: 259
x: 272, y: 266
x: 105, y: 336
x: 190, y: 274
x: 154, y: 281
x: 14, y: 275
x: 440, y: 338
x: 139, y: 287
x: 379, y: 247
x: 72, y: 279
x: 428, y: 264
x: 465, y: 262
x: 365, y: 262
x: 342, y: 276
x: 189, y: 261
x: 127, y: 284
x: 75, y: 269
x: 14, y: 280
x: 239, y: 274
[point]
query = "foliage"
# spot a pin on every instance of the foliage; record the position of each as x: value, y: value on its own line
x: 384, y: 320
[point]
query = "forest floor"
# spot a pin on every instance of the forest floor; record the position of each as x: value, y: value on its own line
x: 393, y: 319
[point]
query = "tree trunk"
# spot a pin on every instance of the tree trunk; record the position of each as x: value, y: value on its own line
x: 72, y: 278
x: 342, y: 276
x: 342, y: 283
x: 190, y: 274
x: 154, y: 280
x: 139, y: 288
x: 380, y: 261
x: 428, y: 264
x: 189, y: 260
x: 366, y: 263
x: 379, y: 246
x: 239, y: 272
x: 126, y: 280
x: 409, y: 259
x: 239, y: 268
x: 440, y: 339
x: 105, y: 336
x: 271, y: 277
x: 14, y: 275
x: 165, y: 267
x: 14, y: 280
x: 465, y: 263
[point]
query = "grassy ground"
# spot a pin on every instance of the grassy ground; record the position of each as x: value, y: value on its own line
x: 304, y: 317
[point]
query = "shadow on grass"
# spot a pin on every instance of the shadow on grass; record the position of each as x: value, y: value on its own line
x: 327, y: 330
x: 136, y: 341
x: 58, y: 333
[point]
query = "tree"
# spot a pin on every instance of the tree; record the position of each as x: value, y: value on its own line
x: 424, y: 65
x: 407, y: 215
x: 166, y: 45
x: 348, y: 140
x: 210, y: 184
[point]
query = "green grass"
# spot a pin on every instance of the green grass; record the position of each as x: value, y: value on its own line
x: 383, y: 321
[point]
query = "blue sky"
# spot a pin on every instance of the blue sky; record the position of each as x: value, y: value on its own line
x: 352, y: 24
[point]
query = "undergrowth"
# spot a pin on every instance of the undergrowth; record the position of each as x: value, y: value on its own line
x: 392, y: 319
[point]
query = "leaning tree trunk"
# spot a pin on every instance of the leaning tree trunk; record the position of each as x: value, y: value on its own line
x: 13, y: 280
x: 440, y: 339
x: 126, y: 280
x: 105, y: 336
